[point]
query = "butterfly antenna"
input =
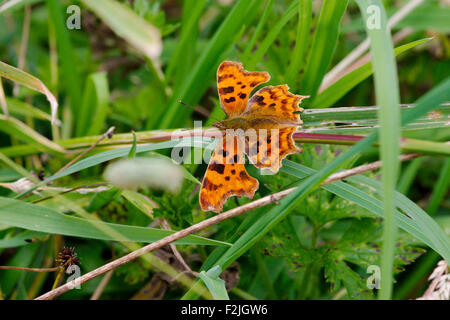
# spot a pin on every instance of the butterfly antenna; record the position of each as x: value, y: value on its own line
x: 187, y: 105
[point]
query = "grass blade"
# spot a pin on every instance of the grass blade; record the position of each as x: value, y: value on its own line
x: 92, y: 114
x: 26, y: 79
x: 214, y: 284
x: 440, y: 188
x: 66, y: 53
x: 323, y: 45
x: 33, y: 217
x: 21, y: 131
x: 251, y: 44
x: 270, y: 38
x: 301, y: 45
x: 387, y: 96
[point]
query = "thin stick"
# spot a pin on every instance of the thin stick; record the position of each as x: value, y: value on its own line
x: 273, y: 198
x: 165, y: 225
x: 85, y: 188
x: 30, y: 269
x: 98, y: 292
x: 107, y: 134
x: 23, y: 45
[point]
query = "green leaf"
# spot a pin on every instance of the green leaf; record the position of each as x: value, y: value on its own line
x: 21, y: 239
x: 388, y: 99
x: 92, y: 114
x: 132, y: 153
x: 214, y: 284
x: 21, y: 108
x: 72, y: 82
x: 337, y: 271
x: 271, y: 36
x: 323, y: 45
x: 420, y: 225
x: 440, y: 188
x: 33, y: 217
x: 301, y: 43
x: 21, y: 131
x: 141, y: 202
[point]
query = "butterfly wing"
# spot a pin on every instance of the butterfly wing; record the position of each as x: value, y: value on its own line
x: 226, y: 176
x: 275, y: 102
x: 271, y: 147
x: 235, y: 85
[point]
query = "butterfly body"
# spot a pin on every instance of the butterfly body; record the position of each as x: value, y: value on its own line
x: 260, y: 127
x: 250, y: 122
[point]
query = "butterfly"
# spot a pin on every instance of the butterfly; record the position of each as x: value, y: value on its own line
x: 261, y: 126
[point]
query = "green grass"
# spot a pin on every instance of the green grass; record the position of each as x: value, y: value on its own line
x: 129, y: 66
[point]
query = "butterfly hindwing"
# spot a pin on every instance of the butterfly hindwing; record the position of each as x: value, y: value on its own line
x: 270, y: 148
x: 226, y: 176
x: 235, y: 85
x: 275, y: 102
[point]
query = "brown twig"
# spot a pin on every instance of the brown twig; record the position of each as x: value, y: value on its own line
x: 273, y: 198
x: 30, y: 269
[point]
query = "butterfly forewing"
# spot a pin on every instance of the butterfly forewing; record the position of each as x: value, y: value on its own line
x: 235, y: 85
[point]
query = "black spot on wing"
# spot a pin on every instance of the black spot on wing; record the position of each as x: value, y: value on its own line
x: 218, y: 167
x: 232, y: 99
x: 226, y: 90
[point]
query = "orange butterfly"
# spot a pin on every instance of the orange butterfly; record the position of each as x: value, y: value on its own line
x: 261, y: 127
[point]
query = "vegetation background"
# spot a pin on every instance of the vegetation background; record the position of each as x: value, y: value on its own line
x: 129, y: 64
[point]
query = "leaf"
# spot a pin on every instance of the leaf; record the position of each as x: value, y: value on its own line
x: 24, y: 133
x: 271, y: 36
x: 72, y: 82
x: 214, y: 284
x: 141, y: 202
x: 128, y: 25
x: 388, y: 99
x: 337, y: 272
x: 132, y: 153
x: 323, y: 45
x: 420, y: 225
x: 18, y: 107
x: 301, y: 43
x: 92, y: 114
x: 21, y: 239
x: 26, y: 79
x: 33, y: 217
